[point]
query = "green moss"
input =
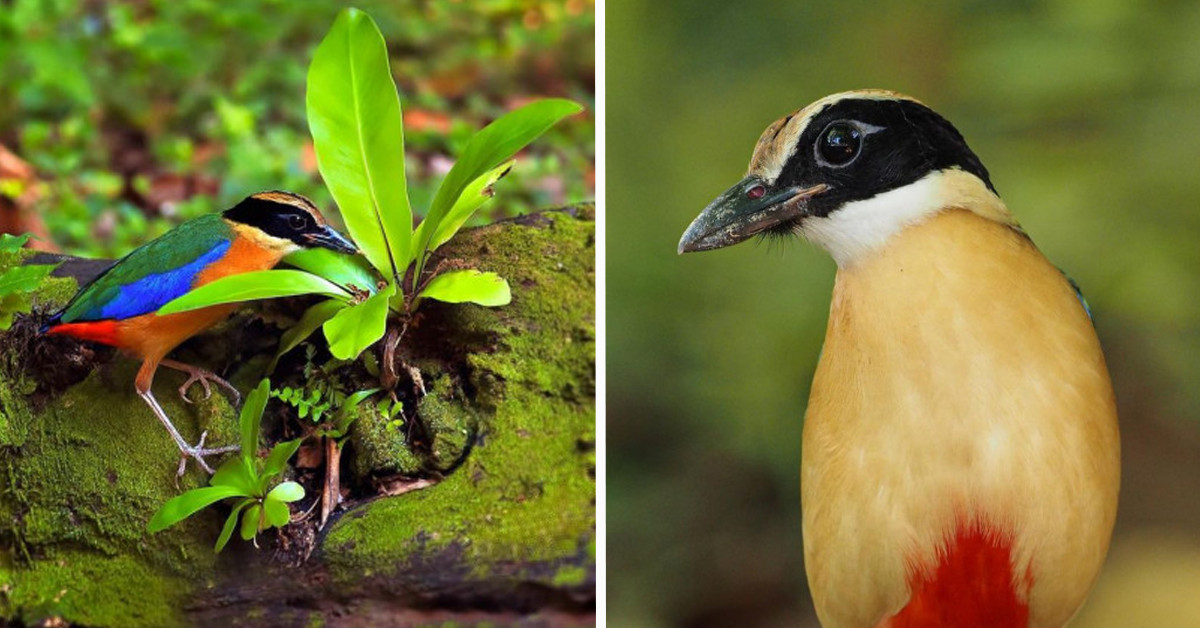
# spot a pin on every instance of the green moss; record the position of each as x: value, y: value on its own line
x: 10, y: 405
x: 551, y: 322
x: 54, y: 292
x: 97, y: 590
x: 80, y: 478
x: 449, y: 422
x: 525, y: 495
x: 92, y: 472
x: 7, y: 582
x: 570, y: 575
x: 380, y: 446
x: 524, y: 500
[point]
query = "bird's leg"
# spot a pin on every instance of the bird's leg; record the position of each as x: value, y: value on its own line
x: 144, y: 379
x: 197, y: 452
x: 197, y: 374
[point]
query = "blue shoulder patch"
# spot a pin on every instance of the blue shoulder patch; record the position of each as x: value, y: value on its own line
x: 1079, y: 295
x: 153, y: 291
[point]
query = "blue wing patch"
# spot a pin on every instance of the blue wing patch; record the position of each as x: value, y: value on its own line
x: 153, y: 291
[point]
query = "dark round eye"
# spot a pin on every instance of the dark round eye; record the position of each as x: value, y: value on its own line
x: 295, y: 222
x: 839, y: 143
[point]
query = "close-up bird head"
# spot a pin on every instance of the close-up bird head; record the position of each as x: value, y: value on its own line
x: 846, y: 172
x: 285, y: 222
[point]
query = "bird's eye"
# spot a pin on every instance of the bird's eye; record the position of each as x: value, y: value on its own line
x: 839, y: 144
x: 295, y: 222
x: 756, y: 192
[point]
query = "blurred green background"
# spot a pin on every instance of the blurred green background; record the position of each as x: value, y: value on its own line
x: 118, y: 120
x: 1086, y: 114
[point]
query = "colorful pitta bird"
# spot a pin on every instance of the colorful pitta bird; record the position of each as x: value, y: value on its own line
x: 961, y: 459
x: 118, y: 307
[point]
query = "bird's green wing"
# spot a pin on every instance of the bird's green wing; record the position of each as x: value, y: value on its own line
x: 152, y: 274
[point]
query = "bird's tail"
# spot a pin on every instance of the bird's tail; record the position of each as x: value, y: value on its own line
x: 54, y: 320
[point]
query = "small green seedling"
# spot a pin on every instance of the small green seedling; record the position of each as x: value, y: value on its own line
x: 339, y: 425
x: 358, y: 133
x: 333, y: 412
x: 246, y: 478
x: 391, y: 410
x: 330, y: 409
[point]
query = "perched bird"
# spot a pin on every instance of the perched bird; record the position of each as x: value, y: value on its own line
x: 118, y: 307
x: 961, y: 460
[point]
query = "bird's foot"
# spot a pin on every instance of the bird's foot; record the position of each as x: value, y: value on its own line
x: 203, y: 376
x: 197, y: 452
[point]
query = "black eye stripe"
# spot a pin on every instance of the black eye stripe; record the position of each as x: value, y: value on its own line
x: 901, y: 141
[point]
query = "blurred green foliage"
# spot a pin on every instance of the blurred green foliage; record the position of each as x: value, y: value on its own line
x: 18, y: 283
x: 1084, y: 112
x: 139, y: 115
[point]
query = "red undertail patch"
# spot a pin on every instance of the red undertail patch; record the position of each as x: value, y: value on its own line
x: 972, y: 585
x: 104, y: 332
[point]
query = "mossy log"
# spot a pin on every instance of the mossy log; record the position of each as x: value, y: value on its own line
x: 502, y: 532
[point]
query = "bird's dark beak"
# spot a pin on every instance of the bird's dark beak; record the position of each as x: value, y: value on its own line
x: 329, y: 238
x: 748, y: 208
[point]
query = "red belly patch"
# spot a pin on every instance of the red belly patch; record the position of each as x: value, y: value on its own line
x: 972, y: 585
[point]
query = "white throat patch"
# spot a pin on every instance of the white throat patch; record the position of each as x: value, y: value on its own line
x: 859, y: 227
